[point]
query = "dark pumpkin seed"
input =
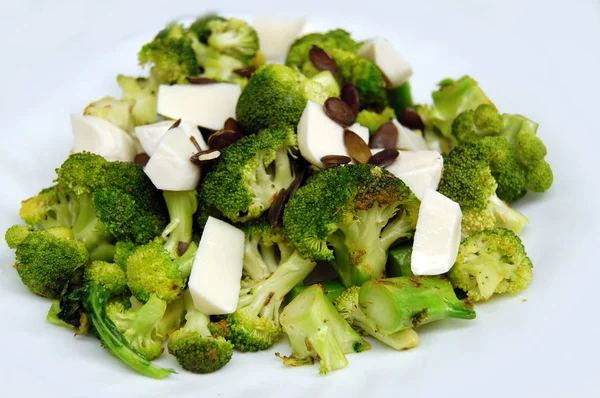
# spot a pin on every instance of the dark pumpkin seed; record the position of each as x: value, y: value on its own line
x: 141, y: 159
x: 182, y: 248
x: 339, y: 111
x: 350, y: 96
x: 223, y: 138
x: 322, y: 60
x: 386, y: 136
x: 195, y: 142
x: 357, y: 148
x: 245, y: 72
x: 297, y: 183
x: 411, y: 119
x: 384, y: 158
x: 335, y: 160
x: 276, y: 210
x: 205, y: 157
x: 200, y: 80
x: 232, y: 124
x: 175, y: 125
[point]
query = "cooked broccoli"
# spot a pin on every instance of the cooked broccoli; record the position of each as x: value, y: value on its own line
x: 297, y: 55
x: 172, y: 59
x: 332, y: 290
x: 194, y: 346
x: 146, y: 328
x: 326, y: 79
x: 47, y: 259
x: 143, y: 91
x: 399, y: 260
x: 49, y: 208
x: 53, y: 317
x: 491, y: 262
x: 395, y: 304
x: 181, y: 206
x: 115, y: 111
x: 474, y: 124
x: 254, y: 325
x: 233, y: 37
x: 222, y: 68
x: 400, y: 98
x: 122, y: 252
x: 249, y: 174
x: 151, y: 271
x: 347, y: 305
x: 108, y: 275
x: 264, y: 248
x: 467, y: 179
x: 200, y: 27
x: 16, y: 234
x: 317, y: 331
x: 276, y: 95
x: 359, y: 210
x: 373, y: 120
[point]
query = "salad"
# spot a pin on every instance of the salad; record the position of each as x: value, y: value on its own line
x: 264, y: 183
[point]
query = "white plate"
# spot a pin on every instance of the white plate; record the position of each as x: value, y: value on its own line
x: 538, y: 59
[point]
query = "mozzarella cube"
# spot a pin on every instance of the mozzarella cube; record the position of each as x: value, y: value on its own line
x: 95, y: 135
x: 169, y: 167
x: 151, y: 134
x: 319, y: 136
x: 408, y: 139
x: 215, y: 279
x: 437, y: 236
x: 276, y: 35
x: 393, y: 66
x: 420, y: 170
x: 206, y: 105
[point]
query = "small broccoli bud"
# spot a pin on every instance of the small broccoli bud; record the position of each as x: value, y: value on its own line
x: 16, y: 234
x: 373, y: 120
x: 115, y: 111
x: 109, y: 275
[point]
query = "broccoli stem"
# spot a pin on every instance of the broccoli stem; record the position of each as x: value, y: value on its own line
x: 506, y: 216
x: 186, y: 261
x: 181, y: 206
x: 284, y: 174
x: 486, y: 272
x: 87, y: 227
x: 400, y: 340
x: 105, y: 251
x: 195, y: 321
x: 94, y: 301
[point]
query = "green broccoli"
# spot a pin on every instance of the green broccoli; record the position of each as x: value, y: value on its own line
x: 400, y: 98
x: 394, y: 304
x: 276, y: 95
x: 347, y: 305
x: 151, y: 271
x: 468, y: 180
x: 265, y: 247
x: 373, y: 120
x: 115, y: 111
x: 16, y: 234
x: 194, y: 346
x: 143, y: 91
x: 491, y: 262
x: 332, y: 290
x: 249, y: 174
x: 108, y: 275
x: 297, y: 55
x: 222, y: 68
x: 359, y: 210
x: 173, y: 30
x: 200, y: 28
x: 47, y: 259
x: 317, y: 331
x: 122, y: 252
x: 181, y: 206
x: 254, y: 325
x: 172, y: 59
x: 326, y: 79
x: 233, y: 37
x: 474, y: 124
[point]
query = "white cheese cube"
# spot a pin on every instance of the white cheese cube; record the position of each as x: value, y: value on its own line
x: 319, y: 136
x: 420, y: 170
x: 206, y: 105
x: 96, y: 135
x: 408, y: 139
x: 437, y: 236
x: 151, y: 134
x: 169, y: 167
x: 276, y: 35
x: 393, y: 66
x: 215, y: 279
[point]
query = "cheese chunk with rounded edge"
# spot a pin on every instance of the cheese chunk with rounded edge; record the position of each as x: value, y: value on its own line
x: 420, y: 170
x: 169, y: 167
x: 276, y: 34
x: 437, y: 237
x: 206, y: 105
x: 215, y: 279
x: 151, y: 134
x: 95, y: 135
x: 319, y: 136
x: 393, y: 66
x: 409, y: 140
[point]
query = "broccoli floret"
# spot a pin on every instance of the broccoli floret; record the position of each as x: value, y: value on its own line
x: 347, y: 305
x: 115, y: 111
x: 316, y: 331
x: 326, y: 79
x: 491, y: 262
x: 467, y: 179
x: 194, y: 346
x: 181, y: 205
x: 122, y: 252
x: 152, y: 271
x: 264, y: 248
x: 108, y: 275
x: 255, y: 325
x: 222, y: 69
x: 332, y: 290
x: 250, y: 173
x: 173, y: 30
x: 395, y: 304
x: 359, y: 210
x: 51, y: 207
x: 474, y: 124
x: 172, y: 59
x: 233, y: 37
x: 297, y: 55
x: 46, y: 261
x: 143, y: 91
x: 276, y: 95
x: 373, y: 120
x: 16, y: 234
x: 200, y: 28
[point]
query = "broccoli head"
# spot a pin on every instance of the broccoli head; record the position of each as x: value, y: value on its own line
x: 194, y: 346
x: 233, y: 37
x: 491, y: 262
x: 115, y: 111
x: 373, y: 120
x: 172, y: 59
x: 16, y: 234
x: 337, y: 39
x: 108, y: 275
x: 317, y: 331
x: 358, y: 210
x: 249, y: 174
x: 143, y: 91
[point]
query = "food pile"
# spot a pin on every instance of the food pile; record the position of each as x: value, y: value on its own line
x: 226, y: 201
